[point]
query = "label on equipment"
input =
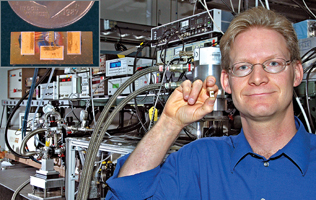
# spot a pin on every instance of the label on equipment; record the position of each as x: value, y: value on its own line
x: 210, y: 55
x: 74, y: 43
x: 27, y: 43
x: 52, y: 53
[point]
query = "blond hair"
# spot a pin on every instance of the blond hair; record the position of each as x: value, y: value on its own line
x: 258, y: 17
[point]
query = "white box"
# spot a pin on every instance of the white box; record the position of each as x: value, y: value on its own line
x: 115, y: 83
x: 124, y: 66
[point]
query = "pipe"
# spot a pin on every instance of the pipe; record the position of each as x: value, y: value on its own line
x: 26, y: 139
x: 84, y: 185
x: 15, y: 194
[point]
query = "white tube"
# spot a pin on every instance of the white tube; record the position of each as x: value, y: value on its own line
x: 304, y: 114
x: 261, y: 3
x: 231, y: 4
x: 267, y: 5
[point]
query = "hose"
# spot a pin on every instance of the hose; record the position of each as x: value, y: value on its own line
x: 26, y: 139
x: 102, y: 117
x: 84, y: 184
x: 303, y: 112
x: 15, y: 194
x: 28, y: 105
x: 13, y: 112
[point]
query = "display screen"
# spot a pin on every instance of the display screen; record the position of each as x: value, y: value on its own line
x: 115, y: 64
x: 95, y: 82
x: 65, y: 79
x: 184, y: 23
x: 199, y: 21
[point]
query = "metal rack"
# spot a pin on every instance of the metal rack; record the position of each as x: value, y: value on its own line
x: 79, y: 144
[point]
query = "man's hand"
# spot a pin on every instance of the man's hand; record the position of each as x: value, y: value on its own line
x: 191, y: 101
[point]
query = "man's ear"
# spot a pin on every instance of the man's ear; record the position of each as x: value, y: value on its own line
x: 298, y: 73
x: 225, y: 82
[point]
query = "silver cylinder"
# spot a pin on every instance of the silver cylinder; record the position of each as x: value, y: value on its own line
x: 207, y: 61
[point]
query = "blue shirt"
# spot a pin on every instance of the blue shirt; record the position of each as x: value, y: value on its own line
x: 226, y: 168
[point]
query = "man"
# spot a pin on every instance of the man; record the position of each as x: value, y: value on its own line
x: 272, y: 158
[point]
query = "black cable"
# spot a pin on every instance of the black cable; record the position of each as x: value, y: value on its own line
x: 310, y: 56
x: 208, y: 130
x: 188, y: 133
x: 125, y: 129
x: 307, y: 99
x: 29, y: 102
x: 303, y: 8
x: 119, y: 46
x: 180, y: 57
x: 181, y: 76
x: 75, y: 116
x: 133, y: 84
x: 13, y: 112
x: 175, y: 59
x: 165, y: 47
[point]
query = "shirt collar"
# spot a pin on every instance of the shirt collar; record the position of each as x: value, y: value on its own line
x: 241, y: 149
x: 297, y: 150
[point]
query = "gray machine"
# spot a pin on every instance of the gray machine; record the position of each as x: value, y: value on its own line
x: 207, y: 61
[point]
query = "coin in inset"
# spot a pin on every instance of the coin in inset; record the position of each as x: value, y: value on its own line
x: 51, y: 14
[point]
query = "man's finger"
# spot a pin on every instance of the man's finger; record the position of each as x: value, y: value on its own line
x: 195, y: 91
x: 186, y: 89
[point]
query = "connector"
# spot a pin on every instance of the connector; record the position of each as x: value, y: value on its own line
x: 185, y: 67
x: 172, y: 85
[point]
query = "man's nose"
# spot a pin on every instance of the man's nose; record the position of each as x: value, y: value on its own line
x: 258, y: 75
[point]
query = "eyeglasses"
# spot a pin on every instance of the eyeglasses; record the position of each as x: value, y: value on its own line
x: 273, y: 66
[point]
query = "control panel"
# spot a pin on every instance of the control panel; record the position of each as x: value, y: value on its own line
x: 124, y: 66
x: 191, y: 27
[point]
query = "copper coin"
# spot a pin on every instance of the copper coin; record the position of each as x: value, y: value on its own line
x: 51, y: 14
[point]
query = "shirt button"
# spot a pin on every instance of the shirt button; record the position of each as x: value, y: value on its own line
x: 266, y: 164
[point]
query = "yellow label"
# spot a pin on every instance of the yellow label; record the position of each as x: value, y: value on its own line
x: 52, y: 53
x: 74, y: 42
x: 47, y: 143
x: 120, y: 56
x: 27, y: 43
x: 151, y: 110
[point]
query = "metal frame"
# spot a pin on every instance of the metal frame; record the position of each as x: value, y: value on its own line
x: 77, y: 144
